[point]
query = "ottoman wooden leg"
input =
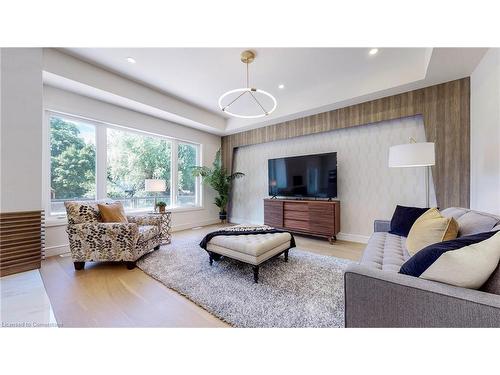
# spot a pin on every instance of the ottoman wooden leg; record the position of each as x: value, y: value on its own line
x: 130, y: 265
x: 286, y: 255
x: 211, y: 258
x: 256, y: 274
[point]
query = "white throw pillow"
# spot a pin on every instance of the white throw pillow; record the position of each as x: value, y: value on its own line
x: 469, y: 266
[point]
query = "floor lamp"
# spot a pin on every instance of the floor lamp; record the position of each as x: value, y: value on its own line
x: 414, y: 154
x: 155, y: 186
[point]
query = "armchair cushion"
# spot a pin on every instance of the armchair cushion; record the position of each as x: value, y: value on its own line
x: 145, y: 219
x: 148, y: 232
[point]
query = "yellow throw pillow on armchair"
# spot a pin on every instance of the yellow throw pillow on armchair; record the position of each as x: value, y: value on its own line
x: 112, y: 213
x: 431, y: 227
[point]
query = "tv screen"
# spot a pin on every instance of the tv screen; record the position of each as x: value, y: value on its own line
x: 304, y: 176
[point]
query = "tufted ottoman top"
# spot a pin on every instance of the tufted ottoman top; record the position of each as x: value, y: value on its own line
x: 385, y: 251
x: 252, y: 244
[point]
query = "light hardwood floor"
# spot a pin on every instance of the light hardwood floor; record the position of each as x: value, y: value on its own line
x: 109, y: 295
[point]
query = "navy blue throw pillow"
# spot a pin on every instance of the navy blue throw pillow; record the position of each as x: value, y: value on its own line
x: 418, y: 264
x: 403, y: 219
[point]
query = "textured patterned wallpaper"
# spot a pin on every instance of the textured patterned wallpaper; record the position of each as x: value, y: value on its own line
x: 367, y: 188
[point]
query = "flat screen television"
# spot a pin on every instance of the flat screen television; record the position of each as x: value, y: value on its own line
x: 303, y: 176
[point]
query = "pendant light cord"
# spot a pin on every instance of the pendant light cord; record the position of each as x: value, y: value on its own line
x: 248, y: 86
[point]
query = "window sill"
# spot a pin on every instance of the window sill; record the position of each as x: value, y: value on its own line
x: 173, y: 209
x: 60, y: 220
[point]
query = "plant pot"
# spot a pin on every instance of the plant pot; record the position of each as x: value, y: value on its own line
x: 161, y: 209
x: 223, y: 216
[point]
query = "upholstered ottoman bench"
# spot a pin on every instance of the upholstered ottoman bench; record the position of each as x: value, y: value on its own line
x: 249, y: 244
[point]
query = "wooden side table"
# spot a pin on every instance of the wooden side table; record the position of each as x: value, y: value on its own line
x: 166, y: 221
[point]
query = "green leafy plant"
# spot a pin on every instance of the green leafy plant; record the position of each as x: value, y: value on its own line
x: 161, y: 204
x: 218, y: 179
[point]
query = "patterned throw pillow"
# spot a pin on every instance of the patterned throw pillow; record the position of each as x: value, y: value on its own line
x: 430, y: 228
x: 466, y: 261
x: 79, y: 212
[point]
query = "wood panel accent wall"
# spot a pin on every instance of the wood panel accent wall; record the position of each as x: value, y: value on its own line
x: 22, y: 236
x: 446, y: 112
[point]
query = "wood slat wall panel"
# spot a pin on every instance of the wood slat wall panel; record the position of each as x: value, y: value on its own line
x: 446, y: 112
x: 22, y: 237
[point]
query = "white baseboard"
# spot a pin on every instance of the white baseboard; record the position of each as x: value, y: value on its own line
x: 237, y: 220
x: 52, y: 251
x: 353, y: 237
x: 194, y: 225
x: 341, y: 236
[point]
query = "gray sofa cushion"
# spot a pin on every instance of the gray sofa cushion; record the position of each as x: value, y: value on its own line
x: 385, y: 251
x: 470, y: 221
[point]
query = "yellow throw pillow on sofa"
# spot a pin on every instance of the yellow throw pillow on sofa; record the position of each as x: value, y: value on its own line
x: 431, y: 227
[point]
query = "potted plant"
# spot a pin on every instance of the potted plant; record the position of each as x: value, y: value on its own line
x: 161, y: 206
x: 220, y: 180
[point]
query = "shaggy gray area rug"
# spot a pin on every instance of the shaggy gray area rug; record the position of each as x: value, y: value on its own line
x: 307, y: 291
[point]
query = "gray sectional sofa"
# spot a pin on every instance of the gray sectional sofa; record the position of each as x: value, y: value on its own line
x: 376, y: 295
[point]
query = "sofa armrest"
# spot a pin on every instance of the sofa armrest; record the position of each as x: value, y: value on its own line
x: 375, y: 298
x: 381, y: 225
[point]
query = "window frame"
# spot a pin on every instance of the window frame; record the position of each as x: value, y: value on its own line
x: 198, y: 182
x: 101, y: 164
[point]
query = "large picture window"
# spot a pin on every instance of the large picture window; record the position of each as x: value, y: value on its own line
x: 91, y: 160
x: 72, y: 162
x: 131, y: 159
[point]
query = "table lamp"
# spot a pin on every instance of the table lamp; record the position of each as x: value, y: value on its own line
x: 414, y: 154
x: 155, y: 186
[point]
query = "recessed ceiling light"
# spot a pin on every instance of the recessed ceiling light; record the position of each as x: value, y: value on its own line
x: 281, y: 86
x: 131, y: 60
x: 373, y: 51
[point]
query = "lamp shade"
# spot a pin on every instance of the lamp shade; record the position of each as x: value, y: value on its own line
x: 412, y: 155
x: 153, y: 185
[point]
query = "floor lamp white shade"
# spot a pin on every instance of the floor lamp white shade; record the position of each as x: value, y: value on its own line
x: 155, y: 186
x: 414, y: 155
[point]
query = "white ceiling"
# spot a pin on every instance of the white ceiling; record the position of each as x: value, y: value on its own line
x: 315, y: 79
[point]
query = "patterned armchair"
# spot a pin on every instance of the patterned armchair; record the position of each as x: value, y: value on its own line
x: 92, y: 240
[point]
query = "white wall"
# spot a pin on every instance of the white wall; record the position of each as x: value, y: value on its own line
x: 70, y: 103
x: 485, y: 134
x: 367, y: 188
x: 21, y: 129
